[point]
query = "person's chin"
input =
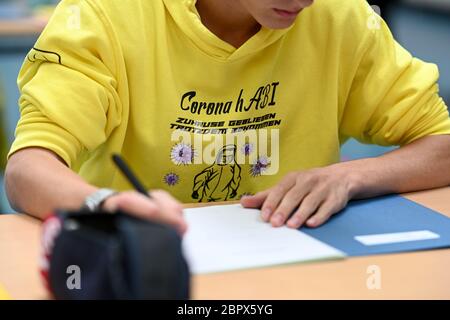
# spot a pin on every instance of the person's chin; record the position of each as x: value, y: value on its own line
x: 278, y: 25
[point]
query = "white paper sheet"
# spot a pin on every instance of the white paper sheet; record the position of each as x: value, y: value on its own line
x: 229, y: 237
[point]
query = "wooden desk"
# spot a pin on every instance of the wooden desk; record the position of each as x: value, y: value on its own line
x: 418, y: 275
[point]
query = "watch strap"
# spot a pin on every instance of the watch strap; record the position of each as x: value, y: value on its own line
x: 94, y: 201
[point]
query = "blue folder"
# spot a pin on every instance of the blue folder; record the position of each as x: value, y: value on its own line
x: 389, y: 214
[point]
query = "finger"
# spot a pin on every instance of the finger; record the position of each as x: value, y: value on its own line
x: 142, y: 207
x: 309, y: 205
x: 133, y: 203
x: 254, y: 201
x: 167, y: 201
x: 275, y: 196
x: 290, y: 202
x: 326, y: 210
x: 171, y: 210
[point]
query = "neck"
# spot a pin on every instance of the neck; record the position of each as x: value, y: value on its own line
x: 228, y: 20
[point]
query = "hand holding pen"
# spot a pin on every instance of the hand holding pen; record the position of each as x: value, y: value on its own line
x: 160, y: 206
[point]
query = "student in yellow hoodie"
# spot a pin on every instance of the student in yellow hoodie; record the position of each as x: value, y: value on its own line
x: 215, y: 100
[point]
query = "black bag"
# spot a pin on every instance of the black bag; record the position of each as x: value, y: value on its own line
x: 116, y: 256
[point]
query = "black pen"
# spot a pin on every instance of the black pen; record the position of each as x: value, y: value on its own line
x: 131, y: 177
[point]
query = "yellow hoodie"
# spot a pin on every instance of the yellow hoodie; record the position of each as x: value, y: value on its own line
x: 207, y: 121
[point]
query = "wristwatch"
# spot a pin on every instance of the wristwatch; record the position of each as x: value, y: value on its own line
x: 94, y: 202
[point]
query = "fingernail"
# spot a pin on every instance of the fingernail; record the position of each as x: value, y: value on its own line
x: 277, y: 220
x: 266, y: 214
x: 294, y: 222
x: 311, y: 222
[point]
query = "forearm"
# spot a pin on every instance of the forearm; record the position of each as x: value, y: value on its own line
x: 38, y: 182
x: 423, y: 164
